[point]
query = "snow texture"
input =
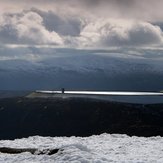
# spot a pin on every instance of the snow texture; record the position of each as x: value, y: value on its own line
x: 95, y: 149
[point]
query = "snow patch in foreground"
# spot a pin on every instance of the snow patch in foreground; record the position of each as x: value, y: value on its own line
x: 97, y: 149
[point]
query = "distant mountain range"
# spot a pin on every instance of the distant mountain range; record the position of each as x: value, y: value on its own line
x: 83, y: 71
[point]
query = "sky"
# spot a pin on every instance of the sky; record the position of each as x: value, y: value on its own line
x: 35, y: 34
x: 81, y: 24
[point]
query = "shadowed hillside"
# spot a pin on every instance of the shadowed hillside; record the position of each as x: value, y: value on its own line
x: 23, y: 117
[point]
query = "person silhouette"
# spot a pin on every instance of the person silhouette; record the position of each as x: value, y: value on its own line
x: 63, y: 90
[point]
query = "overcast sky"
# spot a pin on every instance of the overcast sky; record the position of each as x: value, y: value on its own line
x: 81, y: 23
x: 91, y: 24
x: 141, y: 9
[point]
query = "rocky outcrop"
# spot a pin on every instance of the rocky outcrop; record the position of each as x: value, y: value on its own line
x: 34, y: 151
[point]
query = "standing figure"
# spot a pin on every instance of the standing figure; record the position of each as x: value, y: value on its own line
x: 63, y: 90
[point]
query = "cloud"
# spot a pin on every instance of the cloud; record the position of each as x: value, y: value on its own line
x: 105, y: 33
x: 37, y: 27
x: 66, y: 25
x: 26, y: 28
x: 133, y: 9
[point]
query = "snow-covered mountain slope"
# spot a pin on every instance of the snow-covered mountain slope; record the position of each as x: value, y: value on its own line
x: 97, y: 149
x: 83, y: 70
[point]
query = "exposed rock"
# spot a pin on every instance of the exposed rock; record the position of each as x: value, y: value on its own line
x: 30, y: 150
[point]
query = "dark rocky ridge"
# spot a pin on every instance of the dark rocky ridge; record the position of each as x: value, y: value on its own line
x: 34, y: 151
x: 23, y: 117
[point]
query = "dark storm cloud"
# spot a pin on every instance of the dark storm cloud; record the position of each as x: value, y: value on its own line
x: 63, y: 25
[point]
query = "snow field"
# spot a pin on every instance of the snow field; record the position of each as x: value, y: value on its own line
x: 94, y: 149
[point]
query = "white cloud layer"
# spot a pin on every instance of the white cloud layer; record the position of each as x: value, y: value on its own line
x: 107, y: 33
x: 37, y: 27
x: 26, y: 28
